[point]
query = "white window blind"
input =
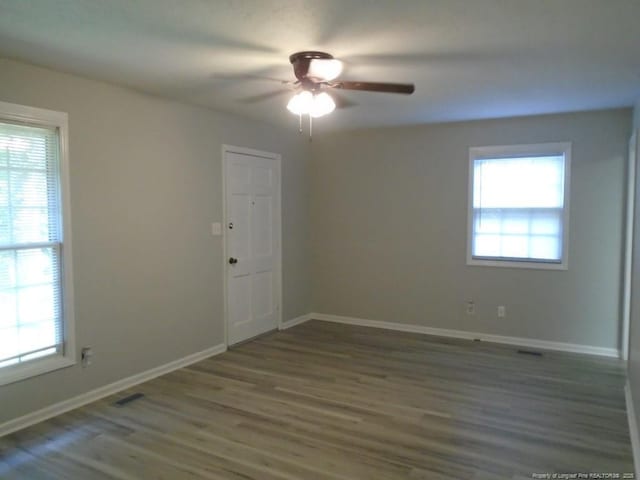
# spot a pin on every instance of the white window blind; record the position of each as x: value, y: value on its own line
x: 518, y: 205
x: 31, y: 317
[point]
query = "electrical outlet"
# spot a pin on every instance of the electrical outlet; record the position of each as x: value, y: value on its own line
x: 502, y: 311
x: 471, y: 308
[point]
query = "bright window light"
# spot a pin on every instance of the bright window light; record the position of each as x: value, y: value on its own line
x: 35, y: 318
x: 29, y: 243
x: 518, y: 210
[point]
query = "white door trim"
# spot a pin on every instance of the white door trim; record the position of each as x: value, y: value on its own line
x: 278, y: 227
x: 634, y: 148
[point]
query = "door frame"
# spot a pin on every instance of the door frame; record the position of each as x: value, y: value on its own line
x: 632, y: 165
x: 277, y: 218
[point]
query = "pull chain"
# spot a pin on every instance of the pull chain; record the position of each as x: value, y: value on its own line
x: 310, y: 125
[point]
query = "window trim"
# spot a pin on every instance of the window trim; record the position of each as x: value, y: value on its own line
x: 508, y: 151
x: 32, y: 116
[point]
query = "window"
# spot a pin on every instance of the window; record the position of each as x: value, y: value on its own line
x: 36, y: 316
x: 519, y: 205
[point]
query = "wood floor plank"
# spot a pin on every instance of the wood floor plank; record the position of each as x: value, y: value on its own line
x: 323, y: 401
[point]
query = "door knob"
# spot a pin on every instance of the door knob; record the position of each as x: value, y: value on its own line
x: 233, y: 261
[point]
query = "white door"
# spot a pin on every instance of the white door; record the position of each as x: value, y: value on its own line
x: 252, y: 243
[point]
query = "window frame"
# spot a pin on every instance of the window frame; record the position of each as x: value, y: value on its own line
x: 39, y: 117
x: 514, y: 151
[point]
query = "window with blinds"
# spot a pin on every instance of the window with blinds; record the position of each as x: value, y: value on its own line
x: 32, y: 317
x: 519, y: 205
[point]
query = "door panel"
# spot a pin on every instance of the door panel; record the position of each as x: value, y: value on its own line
x: 252, y: 194
x: 263, y: 221
x: 239, y: 178
x: 263, y: 299
x: 240, y: 247
x: 263, y: 177
x: 239, y: 309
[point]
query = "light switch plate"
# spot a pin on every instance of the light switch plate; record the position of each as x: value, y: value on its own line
x: 216, y: 229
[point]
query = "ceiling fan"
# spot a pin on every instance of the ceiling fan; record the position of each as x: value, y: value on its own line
x: 317, y: 72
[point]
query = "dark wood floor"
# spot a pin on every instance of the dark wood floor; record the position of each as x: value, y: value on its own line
x: 329, y: 401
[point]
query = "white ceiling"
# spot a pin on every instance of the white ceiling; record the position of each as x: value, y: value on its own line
x: 469, y: 59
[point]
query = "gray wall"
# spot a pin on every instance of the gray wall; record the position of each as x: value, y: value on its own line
x: 389, y: 224
x: 634, y: 328
x: 145, y: 186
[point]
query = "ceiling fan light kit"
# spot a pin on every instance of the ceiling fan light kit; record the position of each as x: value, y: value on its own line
x: 315, y: 72
x: 324, y: 69
x: 313, y: 104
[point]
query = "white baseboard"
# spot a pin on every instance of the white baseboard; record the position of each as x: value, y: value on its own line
x: 442, y: 332
x: 633, y: 429
x: 296, y: 321
x: 101, y: 392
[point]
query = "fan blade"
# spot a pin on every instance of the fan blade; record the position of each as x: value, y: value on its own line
x: 270, y: 79
x: 342, y: 101
x: 406, y: 88
x: 265, y: 96
x: 251, y: 77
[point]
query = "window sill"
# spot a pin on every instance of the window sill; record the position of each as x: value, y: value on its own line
x: 515, y: 264
x: 33, y: 368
